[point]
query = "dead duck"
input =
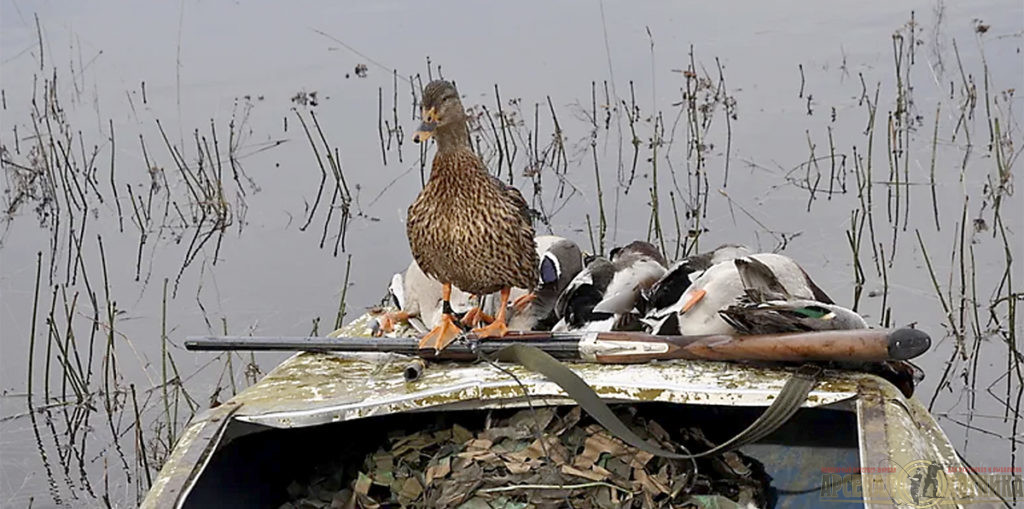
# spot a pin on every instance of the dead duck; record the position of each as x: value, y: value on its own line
x: 466, y: 228
x: 575, y: 306
x: 769, y: 307
x: 768, y: 276
x: 664, y: 297
x: 604, y: 295
x: 417, y: 298
x: 560, y: 261
x: 790, y: 315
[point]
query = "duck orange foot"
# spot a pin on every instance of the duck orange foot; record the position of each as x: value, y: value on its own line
x: 496, y: 329
x: 388, y: 320
x: 521, y: 302
x: 475, y: 316
x: 442, y: 335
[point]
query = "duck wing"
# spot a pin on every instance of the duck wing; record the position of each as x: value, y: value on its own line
x: 516, y: 198
x: 764, y: 318
x: 759, y: 282
x: 550, y: 269
x: 576, y: 303
x: 776, y: 317
x: 396, y: 290
x: 667, y: 291
x: 628, y: 282
x: 819, y: 294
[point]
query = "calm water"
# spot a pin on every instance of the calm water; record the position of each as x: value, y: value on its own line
x: 757, y: 88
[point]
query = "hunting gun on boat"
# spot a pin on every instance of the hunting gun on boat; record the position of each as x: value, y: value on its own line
x: 858, y: 345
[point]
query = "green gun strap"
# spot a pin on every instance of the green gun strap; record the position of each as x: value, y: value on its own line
x: 789, y: 400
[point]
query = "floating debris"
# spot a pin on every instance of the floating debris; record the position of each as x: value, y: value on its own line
x: 543, y: 457
x: 303, y: 98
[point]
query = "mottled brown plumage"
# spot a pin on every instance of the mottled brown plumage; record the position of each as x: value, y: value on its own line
x: 466, y: 227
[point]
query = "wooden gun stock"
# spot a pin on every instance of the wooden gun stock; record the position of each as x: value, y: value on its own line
x: 861, y: 345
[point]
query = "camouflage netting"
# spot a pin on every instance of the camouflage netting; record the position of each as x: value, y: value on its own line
x: 546, y: 457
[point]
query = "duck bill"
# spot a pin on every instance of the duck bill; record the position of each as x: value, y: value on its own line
x: 424, y: 132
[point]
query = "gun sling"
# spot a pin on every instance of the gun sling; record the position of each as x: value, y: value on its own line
x: 789, y: 400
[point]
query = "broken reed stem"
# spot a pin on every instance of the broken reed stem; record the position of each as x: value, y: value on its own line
x: 380, y: 124
x: 110, y: 360
x: 229, y: 365
x: 854, y: 236
x: 868, y: 192
x: 340, y: 319
x: 935, y: 282
x: 70, y: 374
x: 113, y: 186
x: 394, y: 111
x: 958, y: 249
x: 655, y: 204
x: 504, y: 135
x: 32, y: 333
x: 632, y: 115
x: 163, y: 366
x: 832, y: 162
x: 680, y: 240
x: 976, y: 330
x: 602, y: 223
x: 935, y: 144
x: 885, y: 292
x: 139, y: 435
x: 51, y: 332
x: 323, y: 171
x: 728, y: 124
x: 802, y: 80
x: 590, y: 233
x: 949, y: 318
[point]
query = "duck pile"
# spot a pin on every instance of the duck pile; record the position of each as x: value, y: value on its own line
x: 729, y: 290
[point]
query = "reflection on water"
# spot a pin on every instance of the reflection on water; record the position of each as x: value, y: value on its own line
x: 190, y: 168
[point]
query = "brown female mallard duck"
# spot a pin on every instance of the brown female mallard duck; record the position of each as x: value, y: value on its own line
x: 466, y: 227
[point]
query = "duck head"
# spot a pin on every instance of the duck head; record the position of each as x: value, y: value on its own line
x: 637, y: 249
x: 443, y: 117
x: 560, y: 261
x: 575, y: 304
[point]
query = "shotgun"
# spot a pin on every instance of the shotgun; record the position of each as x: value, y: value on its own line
x: 858, y: 345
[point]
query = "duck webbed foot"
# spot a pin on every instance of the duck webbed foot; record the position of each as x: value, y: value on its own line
x: 521, y: 302
x: 475, y: 317
x: 446, y: 329
x: 388, y: 320
x: 498, y: 327
x: 441, y: 335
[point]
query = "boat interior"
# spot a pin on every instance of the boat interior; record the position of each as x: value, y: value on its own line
x: 254, y: 464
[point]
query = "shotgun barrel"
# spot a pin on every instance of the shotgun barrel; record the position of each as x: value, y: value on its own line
x: 861, y: 345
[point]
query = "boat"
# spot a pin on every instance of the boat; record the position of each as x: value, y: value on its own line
x: 857, y: 439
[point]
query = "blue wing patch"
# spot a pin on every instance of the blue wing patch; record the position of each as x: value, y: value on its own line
x: 548, y: 269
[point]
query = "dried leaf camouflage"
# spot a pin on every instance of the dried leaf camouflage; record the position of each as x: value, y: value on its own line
x: 541, y: 458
